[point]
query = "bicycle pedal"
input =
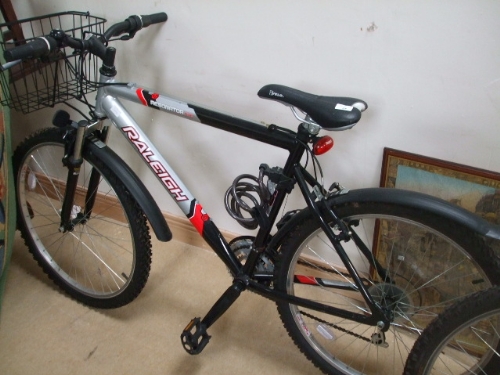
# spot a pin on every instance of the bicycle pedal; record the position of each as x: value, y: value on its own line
x: 194, y: 337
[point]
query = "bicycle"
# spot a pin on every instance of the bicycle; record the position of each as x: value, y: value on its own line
x: 465, y: 339
x: 349, y: 291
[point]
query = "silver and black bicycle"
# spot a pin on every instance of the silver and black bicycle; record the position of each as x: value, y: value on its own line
x: 356, y: 274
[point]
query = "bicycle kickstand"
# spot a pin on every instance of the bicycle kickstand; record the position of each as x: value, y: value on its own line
x: 195, y: 337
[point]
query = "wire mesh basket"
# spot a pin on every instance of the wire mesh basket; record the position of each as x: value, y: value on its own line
x: 39, y: 83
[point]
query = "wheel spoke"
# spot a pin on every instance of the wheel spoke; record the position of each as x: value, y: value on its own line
x: 101, y: 260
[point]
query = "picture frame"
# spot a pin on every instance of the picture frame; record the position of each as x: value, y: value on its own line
x: 475, y: 189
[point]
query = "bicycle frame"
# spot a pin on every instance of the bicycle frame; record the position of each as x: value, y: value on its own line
x: 108, y: 105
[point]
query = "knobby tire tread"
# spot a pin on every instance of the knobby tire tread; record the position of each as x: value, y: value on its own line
x: 137, y: 219
x: 476, y: 246
x: 455, y: 316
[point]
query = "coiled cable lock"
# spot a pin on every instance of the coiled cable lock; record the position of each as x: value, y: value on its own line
x: 250, y: 196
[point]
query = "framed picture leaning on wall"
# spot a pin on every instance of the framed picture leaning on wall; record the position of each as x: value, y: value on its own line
x: 474, y: 189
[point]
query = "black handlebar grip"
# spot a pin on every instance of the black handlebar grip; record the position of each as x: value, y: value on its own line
x: 154, y: 18
x: 37, y: 48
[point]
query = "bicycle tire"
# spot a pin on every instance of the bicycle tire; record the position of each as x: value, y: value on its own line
x: 465, y: 339
x: 105, y: 261
x: 407, y: 239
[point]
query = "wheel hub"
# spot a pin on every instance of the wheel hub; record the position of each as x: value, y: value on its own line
x: 394, y: 299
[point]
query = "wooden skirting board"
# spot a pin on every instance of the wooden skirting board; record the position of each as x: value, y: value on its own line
x: 181, y: 227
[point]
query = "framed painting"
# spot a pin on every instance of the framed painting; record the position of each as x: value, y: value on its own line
x: 474, y: 189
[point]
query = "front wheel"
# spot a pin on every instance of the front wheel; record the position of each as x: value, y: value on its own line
x: 429, y: 263
x: 104, y: 261
x: 464, y: 340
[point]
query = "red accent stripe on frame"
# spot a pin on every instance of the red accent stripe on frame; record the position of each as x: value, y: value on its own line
x: 140, y: 95
x: 199, y: 217
x: 306, y: 279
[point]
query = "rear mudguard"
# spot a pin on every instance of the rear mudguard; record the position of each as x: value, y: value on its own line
x: 402, y: 198
x: 135, y: 186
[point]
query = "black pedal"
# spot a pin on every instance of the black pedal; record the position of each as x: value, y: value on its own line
x: 194, y: 337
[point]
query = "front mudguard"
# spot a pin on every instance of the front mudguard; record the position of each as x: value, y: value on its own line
x: 402, y: 198
x: 134, y: 185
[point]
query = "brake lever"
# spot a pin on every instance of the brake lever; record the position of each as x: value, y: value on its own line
x: 128, y: 36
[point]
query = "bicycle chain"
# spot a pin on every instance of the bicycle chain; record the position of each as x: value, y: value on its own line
x: 336, y: 327
x: 324, y: 321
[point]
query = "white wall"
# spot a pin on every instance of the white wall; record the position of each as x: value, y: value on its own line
x: 430, y: 72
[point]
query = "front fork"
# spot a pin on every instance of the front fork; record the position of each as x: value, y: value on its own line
x: 73, y: 160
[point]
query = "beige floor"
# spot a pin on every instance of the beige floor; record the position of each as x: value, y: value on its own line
x: 44, y: 332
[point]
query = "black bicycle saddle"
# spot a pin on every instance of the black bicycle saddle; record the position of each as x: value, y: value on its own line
x: 329, y: 112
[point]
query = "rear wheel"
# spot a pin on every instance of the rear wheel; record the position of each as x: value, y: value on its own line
x: 105, y: 260
x: 430, y: 263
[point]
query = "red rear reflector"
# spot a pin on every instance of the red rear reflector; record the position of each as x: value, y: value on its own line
x: 322, y: 145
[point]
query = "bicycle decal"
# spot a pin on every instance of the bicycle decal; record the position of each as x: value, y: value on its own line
x: 157, y: 101
x: 156, y: 165
x: 302, y: 324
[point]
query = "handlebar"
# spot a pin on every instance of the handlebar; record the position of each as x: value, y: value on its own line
x: 96, y: 44
x: 154, y: 18
x: 37, y: 48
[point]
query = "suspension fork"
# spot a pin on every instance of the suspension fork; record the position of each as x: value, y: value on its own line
x: 73, y: 161
x: 317, y: 203
x: 93, y: 185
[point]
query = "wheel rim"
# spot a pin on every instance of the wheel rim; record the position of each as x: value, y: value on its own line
x: 417, y: 285
x: 96, y: 258
x: 469, y: 348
